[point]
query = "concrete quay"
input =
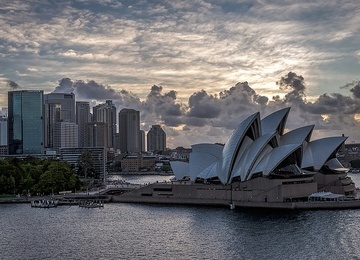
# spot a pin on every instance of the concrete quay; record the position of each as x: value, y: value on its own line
x: 15, y: 200
x: 187, y: 193
x: 352, y: 204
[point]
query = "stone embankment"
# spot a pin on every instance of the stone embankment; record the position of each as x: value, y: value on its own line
x: 352, y: 204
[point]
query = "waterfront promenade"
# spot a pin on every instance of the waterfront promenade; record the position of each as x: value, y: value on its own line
x: 126, y: 192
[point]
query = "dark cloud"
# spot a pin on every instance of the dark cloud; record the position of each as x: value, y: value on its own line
x: 164, y: 105
x: 65, y: 86
x: 350, y: 85
x: 12, y: 85
x: 91, y: 90
x: 195, y: 121
x: 220, y: 113
x: 86, y: 89
x: 295, y: 84
x: 202, y: 105
x: 333, y: 104
x: 356, y: 90
x: 261, y: 100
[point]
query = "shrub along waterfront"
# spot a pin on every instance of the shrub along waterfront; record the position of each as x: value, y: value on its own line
x: 36, y: 176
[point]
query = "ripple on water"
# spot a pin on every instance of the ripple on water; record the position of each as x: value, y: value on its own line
x: 136, y: 231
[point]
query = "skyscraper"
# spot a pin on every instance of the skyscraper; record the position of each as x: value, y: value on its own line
x: 129, y: 131
x: 156, y: 139
x: 142, y: 141
x: 83, y: 117
x: 3, y: 130
x: 96, y: 135
x: 58, y: 107
x: 106, y: 113
x: 65, y: 135
x: 3, y: 126
x: 25, y: 122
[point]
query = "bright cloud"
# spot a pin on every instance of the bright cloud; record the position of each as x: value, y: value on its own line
x: 198, y: 49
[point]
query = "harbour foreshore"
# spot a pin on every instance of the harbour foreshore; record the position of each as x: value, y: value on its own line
x: 352, y: 204
x: 67, y: 199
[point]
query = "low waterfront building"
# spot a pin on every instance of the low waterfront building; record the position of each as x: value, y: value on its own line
x: 138, y: 163
x: 98, y: 155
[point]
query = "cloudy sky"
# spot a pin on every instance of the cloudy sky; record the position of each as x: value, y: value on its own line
x: 196, y: 67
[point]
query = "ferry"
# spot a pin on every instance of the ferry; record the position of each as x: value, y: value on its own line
x: 44, y: 203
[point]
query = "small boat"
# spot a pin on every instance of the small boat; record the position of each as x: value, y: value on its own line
x: 91, y: 204
x: 44, y: 203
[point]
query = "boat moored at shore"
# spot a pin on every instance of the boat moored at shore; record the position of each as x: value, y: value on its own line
x: 44, y: 203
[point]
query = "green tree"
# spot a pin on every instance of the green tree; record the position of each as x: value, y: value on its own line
x: 36, y: 176
x: 86, y: 164
x: 57, y: 177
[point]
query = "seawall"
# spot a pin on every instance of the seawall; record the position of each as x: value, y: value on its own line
x: 352, y: 204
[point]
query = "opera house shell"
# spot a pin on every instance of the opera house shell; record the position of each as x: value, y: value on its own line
x: 259, y: 166
x: 259, y: 149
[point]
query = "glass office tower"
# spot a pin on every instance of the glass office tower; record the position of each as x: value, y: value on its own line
x: 129, y: 131
x: 25, y: 122
x: 106, y: 113
x: 59, y: 107
x: 156, y: 139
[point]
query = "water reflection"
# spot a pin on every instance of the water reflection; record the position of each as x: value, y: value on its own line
x: 140, y: 231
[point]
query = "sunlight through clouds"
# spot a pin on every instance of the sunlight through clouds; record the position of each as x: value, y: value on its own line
x: 219, y: 47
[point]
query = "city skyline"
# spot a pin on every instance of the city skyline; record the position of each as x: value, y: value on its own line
x: 39, y: 122
x: 179, y: 64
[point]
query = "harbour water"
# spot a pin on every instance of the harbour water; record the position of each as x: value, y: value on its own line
x: 137, y: 231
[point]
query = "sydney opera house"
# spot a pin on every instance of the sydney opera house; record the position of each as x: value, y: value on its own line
x: 260, y: 164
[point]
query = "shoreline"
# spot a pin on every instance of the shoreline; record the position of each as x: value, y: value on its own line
x: 139, y: 173
x: 320, y: 205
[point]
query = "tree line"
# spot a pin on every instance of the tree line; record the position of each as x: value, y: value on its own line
x: 36, y: 176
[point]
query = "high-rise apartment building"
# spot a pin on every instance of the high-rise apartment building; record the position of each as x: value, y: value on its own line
x: 3, y: 130
x: 83, y: 117
x: 142, y: 141
x: 3, y: 126
x: 96, y: 135
x: 156, y: 139
x: 65, y: 135
x: 107, y: 113
x: 25, y: 122
x: 129, y: 131
x: 58, y: 107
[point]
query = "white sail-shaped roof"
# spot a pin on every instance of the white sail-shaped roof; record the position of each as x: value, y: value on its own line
x: 260, y: 148
x: 208, y: 173
x: 319, y: 151
x: 335, y: 164
x: 254, y: 152
x: 275, y: 121
x: 265, y: 151
x: 298, y: 135
x: 250, y: 126
x: 180, y: 169
x: 202, y: 156
x: 249, y: 159
x: 274, y: 158
x: 238, y: 162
